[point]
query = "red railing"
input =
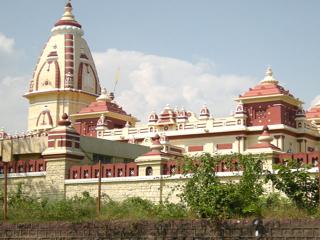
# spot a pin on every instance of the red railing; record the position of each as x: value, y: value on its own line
x: 108, y: 170
x: 228, y: 167
x: 311, y: 158
x: 25, y: 166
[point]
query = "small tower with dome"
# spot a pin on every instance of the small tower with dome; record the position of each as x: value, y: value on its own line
x: 269, y: 103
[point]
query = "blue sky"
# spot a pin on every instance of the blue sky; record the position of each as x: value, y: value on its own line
x: 227, y: 39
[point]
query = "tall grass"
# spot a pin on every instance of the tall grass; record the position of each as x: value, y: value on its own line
x: 23, y: 208
x: 77, y: 209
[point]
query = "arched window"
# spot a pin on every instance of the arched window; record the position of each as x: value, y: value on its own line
x: 149, y: 171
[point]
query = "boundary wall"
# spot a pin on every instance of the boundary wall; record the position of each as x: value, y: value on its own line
x: 153, y: 230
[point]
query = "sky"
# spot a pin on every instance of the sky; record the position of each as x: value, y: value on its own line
x: 183, y: 53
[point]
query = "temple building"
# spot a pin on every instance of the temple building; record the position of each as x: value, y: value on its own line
x: 266, y: 104
x: 73, y: 123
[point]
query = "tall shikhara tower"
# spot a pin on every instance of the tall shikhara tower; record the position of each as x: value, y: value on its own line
x: 65, y: 78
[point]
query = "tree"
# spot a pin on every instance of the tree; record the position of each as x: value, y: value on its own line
x: 294, y: 180
x: 211, y: 196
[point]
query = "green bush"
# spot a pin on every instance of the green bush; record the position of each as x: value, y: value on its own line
x: 299, y: 186
x: 211, y: 197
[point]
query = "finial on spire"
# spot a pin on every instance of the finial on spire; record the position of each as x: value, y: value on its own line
x: 68, y: 4
x: 269, y: 78
x: 68, y: 17
x: 104, y: 96
x: 269, y: 71
x: 68, y: 12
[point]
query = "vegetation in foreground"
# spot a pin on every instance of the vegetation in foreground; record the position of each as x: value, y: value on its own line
x: 204, y: 196
x: 243, y: 196
x: 23, y: 208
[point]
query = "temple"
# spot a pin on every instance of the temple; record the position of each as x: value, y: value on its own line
x: 65, y: 78
x: 73, y: 123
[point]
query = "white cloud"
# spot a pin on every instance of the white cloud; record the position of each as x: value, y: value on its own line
x: 13, y: 83
x: 13, y: 106
x: 149, y: 82
x: 6, y: 44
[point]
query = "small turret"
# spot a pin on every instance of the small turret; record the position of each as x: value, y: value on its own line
x: 153, y: 117
x: 204, y: 113
x: 182, y: 116
x: 240, y: 114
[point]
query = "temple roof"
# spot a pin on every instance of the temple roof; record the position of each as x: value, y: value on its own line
x: 265, y: 90
x: 269, y: 87
x: 103, y: 107
x: 103, y: 103
x: 313, y: 112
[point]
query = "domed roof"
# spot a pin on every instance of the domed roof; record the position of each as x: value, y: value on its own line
x: 240, y: 109
x: 204, y: 111
x: 167, y: 116
x: 153, y: 117
x: 182, y: 114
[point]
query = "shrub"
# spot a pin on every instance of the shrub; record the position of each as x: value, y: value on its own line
x: 300, y: 187
x: 211, y: 197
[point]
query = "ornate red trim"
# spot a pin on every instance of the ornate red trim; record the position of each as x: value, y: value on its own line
x: 37, y: 81
x: 80, y: 76
x: 58, y: 78
x: 66, y: 22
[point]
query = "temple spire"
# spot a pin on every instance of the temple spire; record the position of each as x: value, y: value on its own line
x: 269, y: 78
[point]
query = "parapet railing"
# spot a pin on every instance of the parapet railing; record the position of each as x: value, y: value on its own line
x: 311, y: 158
x: 24, y: 166
x: 24, y: 135
x: 108, y: 170
x: 219, y: 122
x: 132, y: 169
